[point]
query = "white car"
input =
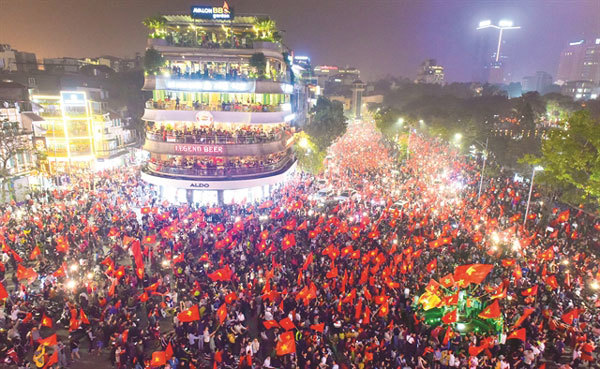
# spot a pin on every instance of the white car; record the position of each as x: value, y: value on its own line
x: 345, y: 195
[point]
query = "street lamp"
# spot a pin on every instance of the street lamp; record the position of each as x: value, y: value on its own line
x: 504, y: 24
x: 485, y: 154
x: 536, y: 168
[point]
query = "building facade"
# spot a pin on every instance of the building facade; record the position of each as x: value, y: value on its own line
x: 16, y: 61
x: 580, y: 61
x: 540, y: 82
x: 79, y: 132
x: 430, y: 72
x: 219, y: 121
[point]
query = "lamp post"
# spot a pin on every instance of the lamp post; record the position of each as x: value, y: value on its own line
x: 483, y: 168
x: 537, y: 167
x: 504, y: 24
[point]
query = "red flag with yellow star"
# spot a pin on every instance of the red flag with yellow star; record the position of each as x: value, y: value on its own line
x: 492, y: 311
x: 286, y: 344
x: 189, y: 315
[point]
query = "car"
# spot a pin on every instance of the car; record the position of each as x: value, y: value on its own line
x: 323, y: 194
x: 345, y: 195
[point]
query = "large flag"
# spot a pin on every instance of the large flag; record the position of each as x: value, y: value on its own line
x: 26, y: 273
x: 3, y: 293
x: 318, y: 327
x: 572, y: 314
x: 492, y: 311
x: 53, y: 359
x: 223, y: 274
x: 518, y: 334
x: 222, y: 313
x: 527, y: 312
x: 472, y: 273
x: 48, y: 341
x: 286, y: 344
x: 270, y: 324
x: 287, y: 324
x: 189, y: 315
x: 450, y: 317
x: 159, y: 358
x: 531, y: 291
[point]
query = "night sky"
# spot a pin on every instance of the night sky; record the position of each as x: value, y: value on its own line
x: 378, y: 36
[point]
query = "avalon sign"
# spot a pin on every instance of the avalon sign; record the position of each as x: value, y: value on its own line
x: 199, y: 149
x: 212, y: 12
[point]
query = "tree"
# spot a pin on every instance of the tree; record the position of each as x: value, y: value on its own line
x: 13, y: 141
x: 310, y: 158
x: 155, y: 24
x: 327, y: 124
x: 570, y: 158
x: 153, y: 60
x: 258, y: 61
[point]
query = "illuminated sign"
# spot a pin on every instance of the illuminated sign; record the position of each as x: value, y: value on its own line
x: 200, y: 185
x: 224, y: 86
x: 199, y: 149
x: 577, y: 43
x: 212, y: 12
x: 73, y: 97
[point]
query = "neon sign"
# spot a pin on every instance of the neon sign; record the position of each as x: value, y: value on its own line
x: 212, y: 12
x: 199, y: 149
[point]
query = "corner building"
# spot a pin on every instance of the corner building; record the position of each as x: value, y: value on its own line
x: 218, y: 125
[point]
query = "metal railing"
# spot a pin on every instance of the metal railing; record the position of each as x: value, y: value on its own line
x: 213, y: 139
x: 248, y: 108
x: 218, y: 171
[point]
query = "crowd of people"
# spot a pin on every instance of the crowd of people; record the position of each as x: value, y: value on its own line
x: 210, y: 134
x: 289, y: 283
x: 176, y: 104
x: 203, y: 165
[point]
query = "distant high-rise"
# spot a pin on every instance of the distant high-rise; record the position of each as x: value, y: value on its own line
x: 539, y: 82
x: 580, y: 61
x: 430, y: 72
x: 494, y: 63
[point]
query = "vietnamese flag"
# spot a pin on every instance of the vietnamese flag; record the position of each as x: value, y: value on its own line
x: 218, y: 228
x: 492, y: 311
x: 189, y: 315
x: 308, y: 261
x: 3, y: 293
x: 531, y: 291
x: 518, y: 334
x: 46, y: 321
x: 289, y: 240
x: 527, y: 312
x: 563, y: 216
x: 48, y: 341
x: 287, y: 324
x: 384, y: 309
x: 472, y: 273
x: 53, y: 359
x: 221, y: 313
x: 26, y: 273
x: 302, y: 226
x: 508, y: 262
x: 286, y: 344
x: 450, y: 317
x: 34, y: 253
x: 451, y: 300
x: 223, y: 274
x: 448, y: 335
x: 551, y: 281
x: 149, y: 239
x: 476, y: 350
x: 432, y: 265
x: 169, y: 351
x: 270, y: 324
x: 230, y: 298
x: 159, y: 358
x: 447, y: 281
x: 573, y: 314
x: 318, y: 327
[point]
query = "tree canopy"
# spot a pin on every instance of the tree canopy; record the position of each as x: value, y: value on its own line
x: 327, y: 124
x: 571, y: 158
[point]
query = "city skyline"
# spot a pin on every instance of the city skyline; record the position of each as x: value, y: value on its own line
x: 445, y: 30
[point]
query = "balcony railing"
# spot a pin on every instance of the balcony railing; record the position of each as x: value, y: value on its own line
x: 173, y: 105
x: 213, y: 76
x: 219, y: 171
x: 214, y: 139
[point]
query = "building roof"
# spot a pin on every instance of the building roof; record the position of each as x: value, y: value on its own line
x: 11, y: 84
x: 34, y: 117
x: 241, y: 20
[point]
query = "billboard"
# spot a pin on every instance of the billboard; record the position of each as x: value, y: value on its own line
x: 212, y: 12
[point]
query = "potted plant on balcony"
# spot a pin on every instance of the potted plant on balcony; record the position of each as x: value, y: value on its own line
x: 156, y: 25
x: 153, y: 61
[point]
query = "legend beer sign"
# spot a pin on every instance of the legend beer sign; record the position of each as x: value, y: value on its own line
x: 199, y: 149
x: 212, y: 12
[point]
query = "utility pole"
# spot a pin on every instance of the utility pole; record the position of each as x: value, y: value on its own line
x: 485, y: 154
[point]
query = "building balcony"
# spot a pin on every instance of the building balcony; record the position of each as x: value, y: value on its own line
x: 237, y: 117
x: 233, y: 107
x: 168, y: 82
x: 220, y: 172
x: 216, y: 146
x: 216, y: 49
